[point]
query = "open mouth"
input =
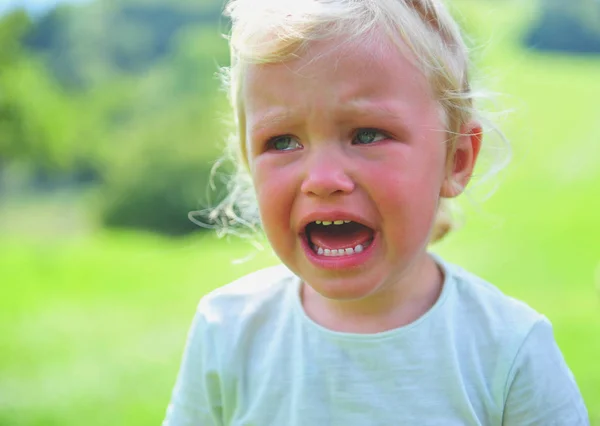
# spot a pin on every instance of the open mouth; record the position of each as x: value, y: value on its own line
x: 338, y: 238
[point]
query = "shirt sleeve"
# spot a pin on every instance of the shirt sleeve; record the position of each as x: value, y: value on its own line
x: 196, y: 397
x: 541, y: 388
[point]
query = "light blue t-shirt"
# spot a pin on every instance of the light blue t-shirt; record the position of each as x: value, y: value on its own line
x: 477, y: 357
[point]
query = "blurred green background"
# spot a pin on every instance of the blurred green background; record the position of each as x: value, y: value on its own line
x: 110, y: 120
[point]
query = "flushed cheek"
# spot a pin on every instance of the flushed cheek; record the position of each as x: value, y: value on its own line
x: 407, y: 206
x: 275, y: 196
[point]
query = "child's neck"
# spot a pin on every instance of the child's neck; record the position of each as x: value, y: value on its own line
x: 391, y: 308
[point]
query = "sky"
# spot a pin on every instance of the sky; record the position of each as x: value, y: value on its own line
x: 34, y: 6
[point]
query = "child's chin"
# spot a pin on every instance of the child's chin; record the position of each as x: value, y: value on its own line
x: 341, y: 287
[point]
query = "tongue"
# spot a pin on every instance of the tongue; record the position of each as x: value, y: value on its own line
x: 336, y: 237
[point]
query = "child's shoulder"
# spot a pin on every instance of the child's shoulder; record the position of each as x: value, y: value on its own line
x: 487, y: 308
x: 256, y: 292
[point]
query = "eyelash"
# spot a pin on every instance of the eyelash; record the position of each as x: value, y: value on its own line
x: 368, y: 129
x: 271, y: 142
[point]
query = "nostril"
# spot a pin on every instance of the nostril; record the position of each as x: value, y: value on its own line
x: 327, y: 183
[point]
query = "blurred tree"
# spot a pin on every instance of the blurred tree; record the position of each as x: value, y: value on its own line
x: 12, y: 28
x: 36, y: 125
x: 572, y: 26
x: 161, y: 175
x: 167, y: 149
x: 86, y: 45
x: 126, y: 91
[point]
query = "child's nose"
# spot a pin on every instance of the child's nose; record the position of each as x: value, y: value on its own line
x: 325, y: 176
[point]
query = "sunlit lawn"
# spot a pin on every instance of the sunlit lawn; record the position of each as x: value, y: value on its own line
x: 92, y: 328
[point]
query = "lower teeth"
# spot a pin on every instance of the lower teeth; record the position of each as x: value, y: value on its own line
x: 340, y: 252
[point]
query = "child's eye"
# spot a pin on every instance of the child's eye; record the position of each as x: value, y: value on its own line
x: 368, y: 136
x: 283, y: 143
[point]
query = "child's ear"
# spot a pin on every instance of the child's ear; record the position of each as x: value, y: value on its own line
x: 460, y: 166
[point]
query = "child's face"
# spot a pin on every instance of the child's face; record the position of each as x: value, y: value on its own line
x: 346, y: 134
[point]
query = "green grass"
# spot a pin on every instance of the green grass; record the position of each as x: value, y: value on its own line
x: 92, y: 328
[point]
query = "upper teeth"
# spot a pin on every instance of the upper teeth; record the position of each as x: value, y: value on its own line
x: 335, y: 222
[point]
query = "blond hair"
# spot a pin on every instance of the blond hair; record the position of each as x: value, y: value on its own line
x: 274, y: 31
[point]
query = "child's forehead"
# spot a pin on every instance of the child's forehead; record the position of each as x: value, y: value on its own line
x: 372, y: 52
x: 336, y: 72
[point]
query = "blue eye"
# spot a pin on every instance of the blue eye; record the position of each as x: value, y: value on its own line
x: 368, y: 136
x: 283, y: 143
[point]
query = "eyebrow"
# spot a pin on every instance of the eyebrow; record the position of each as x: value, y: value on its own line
x: 388, y: 110
x: 352, y: 109
x: 269, y: 119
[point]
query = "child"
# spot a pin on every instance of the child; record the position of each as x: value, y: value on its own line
x: 355, y: 121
